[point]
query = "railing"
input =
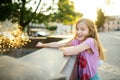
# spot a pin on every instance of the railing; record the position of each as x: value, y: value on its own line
x: 42, y: 64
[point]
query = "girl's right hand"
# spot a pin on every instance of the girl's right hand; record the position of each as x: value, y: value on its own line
x: 39, y: 44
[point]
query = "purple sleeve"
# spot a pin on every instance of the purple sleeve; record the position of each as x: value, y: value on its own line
x: 74, y: 42
x: 91, y: 43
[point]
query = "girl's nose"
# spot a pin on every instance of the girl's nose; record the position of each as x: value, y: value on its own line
x: 78, y: 31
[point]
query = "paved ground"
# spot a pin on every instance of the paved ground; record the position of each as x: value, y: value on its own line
x: 110, y: 69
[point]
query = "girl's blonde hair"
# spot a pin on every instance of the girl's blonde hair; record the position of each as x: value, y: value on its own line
x: 94, y: 34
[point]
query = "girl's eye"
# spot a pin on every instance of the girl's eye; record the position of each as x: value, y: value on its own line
x: 77, y: 29
x: 82, y: 29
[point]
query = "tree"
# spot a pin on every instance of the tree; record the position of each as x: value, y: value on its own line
x: 100, y: 19
x: 66, y: 12
x: 18, y: 12
x: 5, y: 9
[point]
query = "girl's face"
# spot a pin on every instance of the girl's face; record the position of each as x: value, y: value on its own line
x: 82, y: 31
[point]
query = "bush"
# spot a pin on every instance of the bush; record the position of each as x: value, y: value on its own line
x: 51, y: 28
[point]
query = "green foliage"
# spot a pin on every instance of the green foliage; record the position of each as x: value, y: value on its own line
x: 100, y: 18
x: 66, y: 12
x: 5, y: 9
x: 51, y: 28
x: 18, y: 12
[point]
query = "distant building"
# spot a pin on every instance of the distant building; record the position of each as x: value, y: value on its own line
x: 112, y: 23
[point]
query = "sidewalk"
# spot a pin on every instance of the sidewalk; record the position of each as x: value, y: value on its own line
x: 110, y: 69
x: 109, y: 72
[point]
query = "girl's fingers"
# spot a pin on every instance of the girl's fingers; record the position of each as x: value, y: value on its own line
x: 39, y: 44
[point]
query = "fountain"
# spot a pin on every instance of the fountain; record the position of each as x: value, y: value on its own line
x: 11, y: 37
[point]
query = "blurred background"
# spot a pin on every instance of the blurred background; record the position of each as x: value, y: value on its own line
x: 25, y: 22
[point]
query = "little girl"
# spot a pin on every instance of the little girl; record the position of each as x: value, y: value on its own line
x: 86, y: 45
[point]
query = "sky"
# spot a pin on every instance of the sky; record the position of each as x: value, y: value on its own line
x: 89, y: 7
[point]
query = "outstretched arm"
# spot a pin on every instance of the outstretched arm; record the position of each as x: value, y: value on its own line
x: 54, y: 44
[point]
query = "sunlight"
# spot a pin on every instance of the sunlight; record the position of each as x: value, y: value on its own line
x: 89, y: 7
x: 113, y: 9
x: 45, y: 4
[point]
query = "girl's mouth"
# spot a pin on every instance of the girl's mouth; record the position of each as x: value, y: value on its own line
x: 79, y: 36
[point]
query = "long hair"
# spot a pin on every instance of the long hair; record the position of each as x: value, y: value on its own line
x: 93, y: 33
